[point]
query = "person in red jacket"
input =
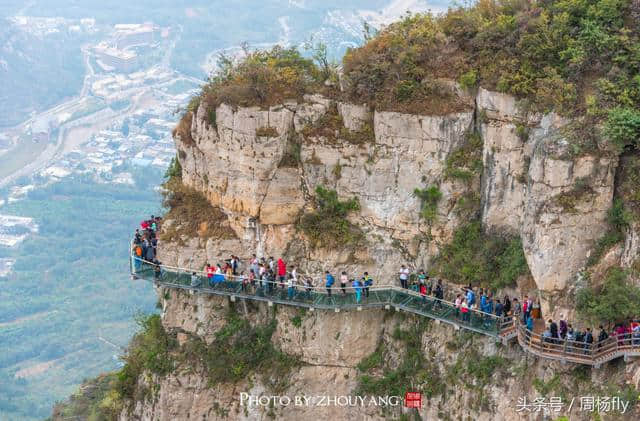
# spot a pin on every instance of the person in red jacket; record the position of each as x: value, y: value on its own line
x: 282, y: 271
x: 210, y: 271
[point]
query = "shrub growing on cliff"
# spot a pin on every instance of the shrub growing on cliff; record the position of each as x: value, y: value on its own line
x: 429, y: 199
x: 267, y: 131
x: 480, y: 258
x: 239, y: 349
x: 628, y: 184
x: 618, y: 219
x: 96, y: 400
x: 191, y: 214
x: 183, y: 129
x: 414, y: 372
x: 330, y: 126
x: 614, y: 300
x: 623, y: 127
x: 149, y: 350
x: 263, y: 78
x: 465, y: 162
x: 328, y: 225
x: 174, y: 170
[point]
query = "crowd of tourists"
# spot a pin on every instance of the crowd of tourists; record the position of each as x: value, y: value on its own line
x: 266, y: 275
x: 563, y: 333
x: 145, y: 244
x: 270, y: 273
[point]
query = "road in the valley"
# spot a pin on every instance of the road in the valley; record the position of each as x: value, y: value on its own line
x: 26, y: 159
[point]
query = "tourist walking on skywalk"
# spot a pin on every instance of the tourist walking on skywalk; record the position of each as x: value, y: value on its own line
x: 291, y: 289
x: 464, y: 309
x: 137, y: 257
x: 282, y: 271
x: 423, y: 292
x: 588, y: 341
x: 357, y: 287
x: 517, y: 310
x: 253, y: 264
x: 602, y: 336
x: 368, y: 281
x: 403, y: 274
x: 506, y: 309
x: 470, y: 296
x: 195, y: 280
x: 244, y: 281
x: 562, y: 325
x: 329, y: 282
x: 499, y: 308
x: 210, y: 270
x: 439, y: 293
x: 308, y: 285
x: 234, y: 261
x: 343, y: 282
x: 553, y: 329
x: 269, y: 280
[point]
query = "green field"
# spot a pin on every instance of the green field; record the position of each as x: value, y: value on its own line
x: 70, y: 288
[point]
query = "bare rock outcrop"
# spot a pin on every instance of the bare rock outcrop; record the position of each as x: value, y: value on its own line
x: 262, y: 166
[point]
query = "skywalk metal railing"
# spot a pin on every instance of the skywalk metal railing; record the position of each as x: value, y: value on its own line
x: 357, y: 298
x: 312, y: 296
x: 596, y: 353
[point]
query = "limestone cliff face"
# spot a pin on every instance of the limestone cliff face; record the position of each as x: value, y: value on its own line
x: 528, y: 176
x: 243, y: 173
x: 531, y: 184
x: 329, y: 347
x: 528, y: 170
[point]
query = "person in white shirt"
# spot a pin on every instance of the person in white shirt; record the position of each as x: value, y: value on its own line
x: 404, y: 276
x: 291, y: 282
x: 195, y: 280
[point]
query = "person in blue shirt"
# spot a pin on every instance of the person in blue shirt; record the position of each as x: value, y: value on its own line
x: 330, y: 280
x: 530, y: 323
x: 357, y: 286
x: 483, y: 303
x: 471, y: 297
x: 489, y: 305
